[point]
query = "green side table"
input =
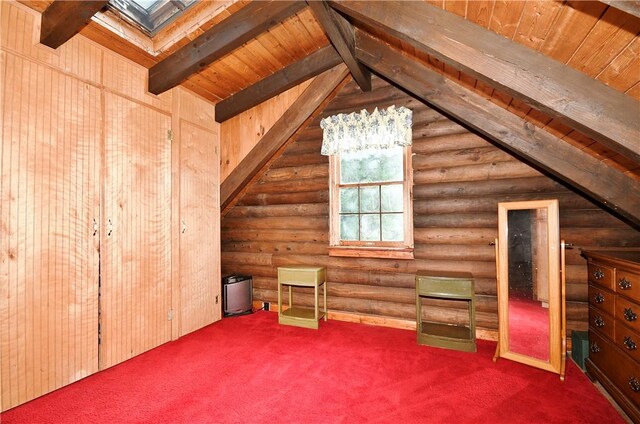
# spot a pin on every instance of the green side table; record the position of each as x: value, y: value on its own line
x: 302, y: 276
x: 446, y: 285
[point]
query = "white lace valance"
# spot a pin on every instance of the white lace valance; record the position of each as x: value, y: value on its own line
x: 354, y: 132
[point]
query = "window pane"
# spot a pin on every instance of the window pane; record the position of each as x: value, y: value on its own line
x: 370, y: 199
x: 355, y: 166
x: 392, y: 227
x: 349, y: 169
x: 372, y: 166
x: 349, y: 200
x: 150, y: 15
x: 392, y: 198
x: 392, y: 164
x: 348, y: 227
x: 370, y: 227
x: 146, y: 4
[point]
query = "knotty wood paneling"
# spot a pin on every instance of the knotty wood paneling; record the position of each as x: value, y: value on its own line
x: 136, y: 244
x: 200, y: 228
x: 240, y: 134
x: 196, y: 296
x: 459, y: 179
x: 49, y: 188
x: 82, y: 140
x: 279, y: 46
x: 129, y: 79
x: 19, y: 34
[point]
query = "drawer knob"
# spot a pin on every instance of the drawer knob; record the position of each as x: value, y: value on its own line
x: 629, y: 343
x: 599, y: 321
x: 624, y: 284
x: 629, y: 315
x: 598, y: 274
x: 599, y: 298
x: 594, y: 347
x: 634, y: 383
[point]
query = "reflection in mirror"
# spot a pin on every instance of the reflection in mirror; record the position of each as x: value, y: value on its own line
x: 529, y: 260
x: 528, y: 283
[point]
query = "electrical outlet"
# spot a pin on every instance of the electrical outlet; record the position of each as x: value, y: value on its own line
x: 266, y: 306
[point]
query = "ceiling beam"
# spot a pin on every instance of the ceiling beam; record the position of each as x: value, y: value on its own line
x: 585, y: 104
x: 278, y: 82
x: 299, y: 114
x: 606, y: 185
x: 341, y: 34
x: 632, y: 7
x: 64, y: 19
x: 239, y: 28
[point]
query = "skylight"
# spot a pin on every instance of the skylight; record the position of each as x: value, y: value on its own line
x: 150, y: 15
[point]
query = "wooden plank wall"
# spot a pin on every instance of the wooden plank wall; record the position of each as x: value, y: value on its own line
x: 82, y: 143
x: 197, y: 192
x: 136, y: 238
x: 241, y: 133
x: 459, y: 178
x: 50, y: 166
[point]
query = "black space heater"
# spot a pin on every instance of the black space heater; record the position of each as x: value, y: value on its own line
x: 237, y: 295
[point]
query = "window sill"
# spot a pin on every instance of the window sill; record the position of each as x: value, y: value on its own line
x: 371, y: 252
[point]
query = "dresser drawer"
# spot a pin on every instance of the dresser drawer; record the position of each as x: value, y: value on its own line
x: 602, y: 299
x: 600, y: 352
x: 600, y: 274
x: 627, y: 340
x: 628, y: 284
x: 601, y: 322
x: 628, y: 312
x: 623, y: 371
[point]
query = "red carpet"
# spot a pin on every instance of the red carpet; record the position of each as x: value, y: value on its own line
x: 251, y: 370
x: 528, y: 328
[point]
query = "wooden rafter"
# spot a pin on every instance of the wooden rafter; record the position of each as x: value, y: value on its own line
x: 300, y: 112
x: 341, y: 34
x: 632, y: 7
x: 231, y: 33
x: 598, y: 111
x: 606, y: 185
x: 278, y: 82
x: 64, y: 19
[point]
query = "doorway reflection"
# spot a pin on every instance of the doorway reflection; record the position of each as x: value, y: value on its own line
x: 528, y: 283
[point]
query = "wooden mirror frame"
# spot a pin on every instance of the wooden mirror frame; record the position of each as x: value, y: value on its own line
x: 555, y: 264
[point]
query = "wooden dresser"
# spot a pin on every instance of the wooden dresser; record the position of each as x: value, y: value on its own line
x: 614, y: 325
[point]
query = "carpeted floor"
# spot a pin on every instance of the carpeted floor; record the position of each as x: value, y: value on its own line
x: 251, y: 370
x: 528, y: 328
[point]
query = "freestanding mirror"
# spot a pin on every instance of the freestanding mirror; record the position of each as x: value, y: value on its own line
x: 531, y: 306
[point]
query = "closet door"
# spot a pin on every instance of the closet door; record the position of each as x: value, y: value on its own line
x: 200, y: 227
x: 49, y: 197
x: 135, y: 292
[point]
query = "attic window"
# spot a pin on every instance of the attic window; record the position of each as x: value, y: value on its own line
x: 370, y: 183
x: 150, y: 15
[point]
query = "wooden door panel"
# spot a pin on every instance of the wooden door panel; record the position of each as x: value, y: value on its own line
x: 49, y: 188
x: 136, y: 246
x: 200, y: 236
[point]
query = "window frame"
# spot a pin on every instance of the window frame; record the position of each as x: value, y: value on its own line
x: 149, y: 20
x: 375, y: 249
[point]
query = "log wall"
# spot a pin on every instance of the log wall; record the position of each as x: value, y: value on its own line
x: 459, y: 178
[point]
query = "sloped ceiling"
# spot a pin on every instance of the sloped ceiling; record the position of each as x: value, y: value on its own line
x: 599, y: 40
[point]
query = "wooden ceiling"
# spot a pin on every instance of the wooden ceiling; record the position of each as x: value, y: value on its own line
x: 599, y: 39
